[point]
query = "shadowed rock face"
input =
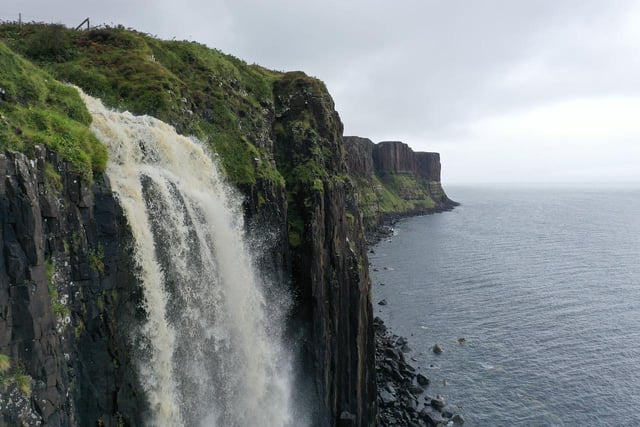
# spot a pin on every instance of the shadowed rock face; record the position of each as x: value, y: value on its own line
x: 67, y: 295
x: 428, y: 165
x: 329, y: 262
x: 394, y: 157
x: 398, y: 157
x: 359, y: 156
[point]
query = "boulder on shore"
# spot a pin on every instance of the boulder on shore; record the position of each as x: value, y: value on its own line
x: 399, y: 385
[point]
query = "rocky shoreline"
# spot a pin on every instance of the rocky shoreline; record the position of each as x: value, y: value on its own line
x: 385, y: 227
x: 401, y: 388
x: 402, y: 398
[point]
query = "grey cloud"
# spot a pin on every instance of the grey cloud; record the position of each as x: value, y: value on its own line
x: 419, y: 70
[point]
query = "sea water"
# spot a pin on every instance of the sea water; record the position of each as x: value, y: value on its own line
x: 543, y: 284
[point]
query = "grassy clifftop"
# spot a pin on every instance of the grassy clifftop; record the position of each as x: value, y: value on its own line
x: 35, y: 109
x: 201, y: 91
x: 272, y: 131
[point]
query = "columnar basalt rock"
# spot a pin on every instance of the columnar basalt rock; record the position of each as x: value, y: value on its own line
x: 330, y: 271
x: 392, y: 180
x: 66, y: 294
x: 394, y: 157
x: 359, y: 156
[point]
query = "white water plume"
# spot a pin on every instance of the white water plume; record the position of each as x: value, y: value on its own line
x: 208, y: 355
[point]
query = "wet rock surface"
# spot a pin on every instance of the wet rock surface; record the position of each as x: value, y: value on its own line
x: 401, y: 388
x: 67, y: 297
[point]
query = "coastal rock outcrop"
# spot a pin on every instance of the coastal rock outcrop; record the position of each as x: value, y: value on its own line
x: 392, y: 180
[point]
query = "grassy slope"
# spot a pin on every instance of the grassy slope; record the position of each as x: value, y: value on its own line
x: 391, y: 194
x: 36, y: 109
x: 200, y: 91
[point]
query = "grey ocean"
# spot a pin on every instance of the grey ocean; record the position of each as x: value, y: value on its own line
x: 543, y: 284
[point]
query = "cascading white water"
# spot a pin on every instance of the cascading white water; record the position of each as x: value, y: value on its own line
x: 208, y: 354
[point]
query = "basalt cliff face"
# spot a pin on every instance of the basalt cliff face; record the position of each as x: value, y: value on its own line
x: 393, y: 180
x: 69, y: 294
x: 328, y: 273
x: 277, y: 137
x: 68, y: 298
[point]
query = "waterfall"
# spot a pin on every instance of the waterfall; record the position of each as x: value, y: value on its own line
x: 210, y: 351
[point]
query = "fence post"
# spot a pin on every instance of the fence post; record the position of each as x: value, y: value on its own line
x: 82, y: 23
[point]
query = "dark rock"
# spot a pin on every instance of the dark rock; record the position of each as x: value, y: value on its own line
x: 401, y: 341
x: 44, y: 227
x: 422, y: 380
x: 328, y: 265
x: 437, y: 349
x: 438, y: 402
x: 415, y: 388
x: 446, y: 412
x: 387, y: 398
x: 457, y: 419
x: 432, y: 418
x: 398, y: 386
x: 360, y: 157
x: 411, y: 405
x: 382, y: 302
x: 391, y: 353
x: 397, y: 375
x: 346, y: 419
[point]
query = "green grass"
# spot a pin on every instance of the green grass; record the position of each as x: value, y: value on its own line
x: 58, y: 308
x: 391, y: 194
x: 5, y: 364
x: 18, y: 376
x: 51, y: 269
x: 35, y: 109
x: 96, y: 259
x: 201, y: 91
x: 23, y: 382
x: 53, y: 179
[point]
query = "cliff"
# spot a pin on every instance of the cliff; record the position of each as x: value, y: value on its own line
x: 392, y: 180
x: 68, y: 298
x: 278, y: 139
x: 330, y: 269
x: 70, y: 301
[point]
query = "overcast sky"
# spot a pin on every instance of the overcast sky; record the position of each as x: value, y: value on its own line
x: 506, y: 91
